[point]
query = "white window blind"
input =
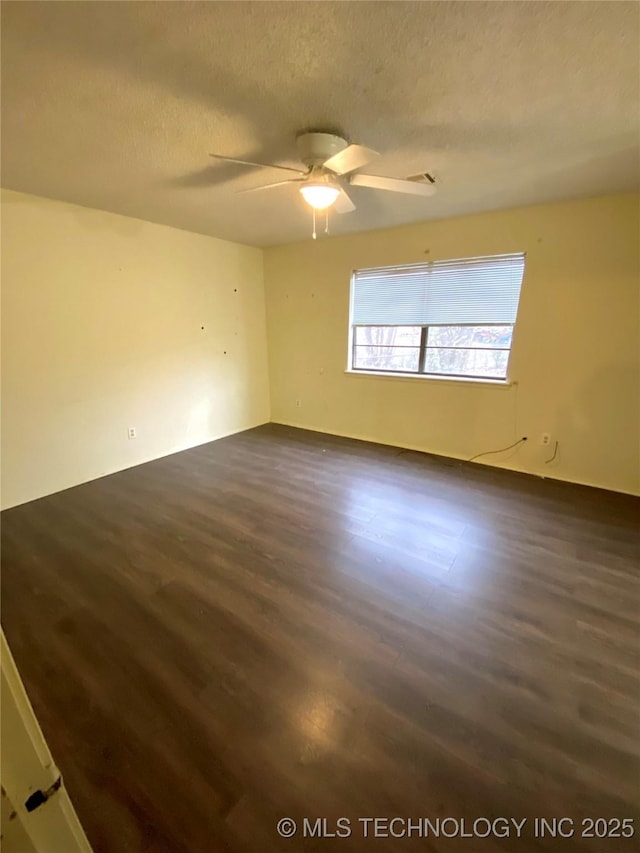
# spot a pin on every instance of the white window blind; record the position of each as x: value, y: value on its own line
x: 458, y: 292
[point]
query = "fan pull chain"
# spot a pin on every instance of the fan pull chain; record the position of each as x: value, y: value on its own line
x: 326, y: 221
x: 314, y: 224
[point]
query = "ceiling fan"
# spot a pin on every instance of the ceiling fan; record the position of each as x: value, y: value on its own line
x: 331, y: 162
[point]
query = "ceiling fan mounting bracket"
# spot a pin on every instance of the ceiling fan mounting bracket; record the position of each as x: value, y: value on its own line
x: 315, y: 148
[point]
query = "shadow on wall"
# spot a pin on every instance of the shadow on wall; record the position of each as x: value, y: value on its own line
x: 604, y: 421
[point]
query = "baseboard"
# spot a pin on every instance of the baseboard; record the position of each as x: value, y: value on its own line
x: 516, y: 469
x: 144, y: 461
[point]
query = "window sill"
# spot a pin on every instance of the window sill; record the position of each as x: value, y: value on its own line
x: 467, y: 380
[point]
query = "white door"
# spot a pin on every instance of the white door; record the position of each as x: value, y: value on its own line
x: 26, y: 767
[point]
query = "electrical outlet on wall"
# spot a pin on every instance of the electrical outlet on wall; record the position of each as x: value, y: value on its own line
x: 298, y: 404
x: 545, y: 439
x: 132, y: 432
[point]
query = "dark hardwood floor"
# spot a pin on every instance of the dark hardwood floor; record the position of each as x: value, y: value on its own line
x: 284, y: 623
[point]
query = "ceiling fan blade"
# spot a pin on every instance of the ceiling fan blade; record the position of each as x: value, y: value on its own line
x: 259, y: 165
x: 350, y: 158
x: 343, y: 203
x: 274, y: 184
x: 395, y: 185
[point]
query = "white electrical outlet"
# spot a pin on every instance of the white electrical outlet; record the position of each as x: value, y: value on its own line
x: 132, y: 432
x: 545, y: 439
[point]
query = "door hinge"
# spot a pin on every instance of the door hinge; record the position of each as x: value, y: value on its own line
x: 35, y: 800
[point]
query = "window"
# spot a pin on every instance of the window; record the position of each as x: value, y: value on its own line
x: 445, y: 318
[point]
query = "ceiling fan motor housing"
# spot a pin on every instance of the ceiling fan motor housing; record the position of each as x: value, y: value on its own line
x: 315, y: 148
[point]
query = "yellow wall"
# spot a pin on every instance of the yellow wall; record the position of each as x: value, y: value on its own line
x: 102, y: 319
x: 101, y: 330
x: 574, y: 359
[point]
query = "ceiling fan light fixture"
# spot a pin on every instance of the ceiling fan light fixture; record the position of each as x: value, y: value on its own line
x: 319, y: 195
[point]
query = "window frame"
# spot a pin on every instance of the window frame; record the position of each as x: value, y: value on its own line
x: 420, y: 373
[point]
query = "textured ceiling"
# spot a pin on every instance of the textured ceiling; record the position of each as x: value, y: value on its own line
x: 115, y: 105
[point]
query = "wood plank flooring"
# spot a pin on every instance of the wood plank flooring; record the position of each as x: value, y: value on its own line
x: 284, y: 623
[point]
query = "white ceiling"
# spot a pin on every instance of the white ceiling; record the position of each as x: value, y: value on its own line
x: 116, y: 105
